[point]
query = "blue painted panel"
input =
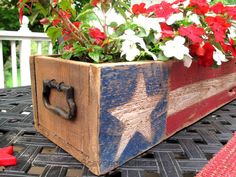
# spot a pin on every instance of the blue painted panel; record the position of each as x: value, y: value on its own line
x: 117, y: 88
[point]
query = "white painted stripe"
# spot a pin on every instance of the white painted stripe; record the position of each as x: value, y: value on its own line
x: 183, y: 97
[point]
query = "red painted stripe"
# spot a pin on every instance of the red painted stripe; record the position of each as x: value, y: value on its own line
x: 181, y: 76
x: 195, y: 112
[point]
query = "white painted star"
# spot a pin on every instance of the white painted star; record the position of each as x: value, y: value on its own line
x: 136, y: 115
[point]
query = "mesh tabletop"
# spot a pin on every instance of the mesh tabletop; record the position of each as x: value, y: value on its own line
x: 182, y: 155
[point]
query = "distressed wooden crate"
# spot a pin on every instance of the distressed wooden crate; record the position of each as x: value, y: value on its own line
x: 124, y: 109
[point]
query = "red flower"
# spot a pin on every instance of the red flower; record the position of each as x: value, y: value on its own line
x: 167, y: 31
x: 164, y: 10
x: 95, y: 2
x: 64, y: 14
x: 231, y: 47
x: 218, y: 8
x: 204, y: 54
x: 68, y: 48
x: 200, y: 7
x: 139, y: 9
x: 219, y: 26
x: 192, y: 32
x: 56, y: 22
x: 64, y: 31
x: 66, y: 34
x: 77, y: 24
x: 97, y: 35
x: 231, y: 11
x: 54, y: 2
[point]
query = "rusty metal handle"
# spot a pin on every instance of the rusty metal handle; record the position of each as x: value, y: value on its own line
x: 61, y: 87
x: 233, y: 89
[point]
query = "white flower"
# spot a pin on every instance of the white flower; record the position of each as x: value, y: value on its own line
x: 219, y: 57
x: 149, y: 23
x: 113, y: 16
x: 232, y: 32
x: 130, y: 50
x: 129, y: 46
x: 175, y: 17
x: 175, y: 48
x: 186, y: 3
x: 210, y: 14
x: 194, y: 18
x: 158, y: 36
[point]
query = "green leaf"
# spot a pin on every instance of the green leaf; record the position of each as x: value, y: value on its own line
x: 142, y: 32
x: 78, y: 48
x: 66, y: 5
x: 95, y: 56
x: 162, y: 57
x: 125, y: 5
x: 33, y: 17
x: 86, y: 7
x: 86, y: 16
x: 41, y: 9
x: 67, y: 55
x: 113, y: 25
x: 217, y: 45
x: 54, y: 33
x: 121, y: 11
x: 150, y: 38
x: 120, y: 30
x: 108, y: 57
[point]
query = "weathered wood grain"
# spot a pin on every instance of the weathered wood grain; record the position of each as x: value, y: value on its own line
x: 181, y: 76
x: 80, y: 135
x: 186, y: 96
x: 197, y: 111
x: 125, y: 109
x: 33, y: 89
x: 133, y: 110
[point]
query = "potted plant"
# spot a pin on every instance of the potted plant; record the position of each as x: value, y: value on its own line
x: 136, y: 75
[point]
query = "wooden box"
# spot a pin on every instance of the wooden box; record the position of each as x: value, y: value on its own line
x: 120, y: 110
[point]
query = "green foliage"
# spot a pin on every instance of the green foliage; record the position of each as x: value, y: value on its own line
x: 54, y: 33
x: 9, y: 15
x: 226, y: 2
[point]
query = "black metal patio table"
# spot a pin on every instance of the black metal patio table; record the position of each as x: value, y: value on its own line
x: 182, y: 155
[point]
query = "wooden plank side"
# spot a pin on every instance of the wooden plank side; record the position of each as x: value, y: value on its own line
x: 133, y: 111
x: 185, y: 96
x: 181, y: 76
x: 33, y: 89
x: 190, y: 115
x: 80, y: 135
x: 197, y: 91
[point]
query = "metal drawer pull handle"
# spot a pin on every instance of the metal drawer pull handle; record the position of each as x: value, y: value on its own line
x: 60, y: 87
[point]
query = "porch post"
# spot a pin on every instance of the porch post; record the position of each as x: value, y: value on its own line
x: 25, y: 51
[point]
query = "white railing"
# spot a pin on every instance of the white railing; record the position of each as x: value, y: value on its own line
x: 25, y: 37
